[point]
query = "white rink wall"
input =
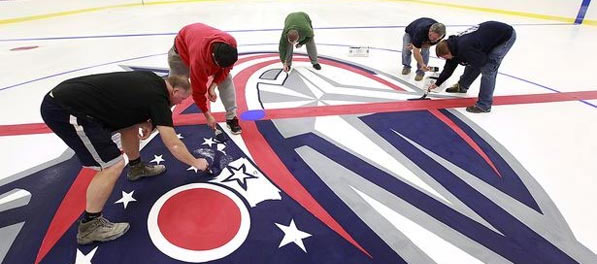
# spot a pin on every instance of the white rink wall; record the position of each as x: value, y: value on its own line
x: 563, y: 9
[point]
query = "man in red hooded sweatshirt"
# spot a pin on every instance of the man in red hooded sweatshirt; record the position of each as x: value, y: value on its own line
x: 200, y: 52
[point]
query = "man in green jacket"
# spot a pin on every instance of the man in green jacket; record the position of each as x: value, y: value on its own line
x: 297, y: 31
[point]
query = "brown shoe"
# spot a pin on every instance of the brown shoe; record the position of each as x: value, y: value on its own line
x: 476, y: 109
x: 144, y: 170
x: 100, y: 229
x: 419, y: 76
x: 455, y: 89
x: 405, y: 71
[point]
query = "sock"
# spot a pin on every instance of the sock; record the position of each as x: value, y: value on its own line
x: 135, y: 161
x: 90, y: 216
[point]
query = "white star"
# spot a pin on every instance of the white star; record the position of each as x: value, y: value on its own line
x: 193, y: 168
x: 157, y: 159
x: 208, y: 142
x: 84, y: 259
x: 179, y: 136
x: 221, y: 147
x: 126, y: 198
x: 292, y: 234
x: 239, y: 175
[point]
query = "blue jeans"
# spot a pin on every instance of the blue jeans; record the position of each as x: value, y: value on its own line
x: 488, y: 73
x: 406, y: 54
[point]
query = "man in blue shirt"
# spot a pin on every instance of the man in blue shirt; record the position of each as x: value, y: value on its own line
x: 481, y: 50
x: 418, y: 37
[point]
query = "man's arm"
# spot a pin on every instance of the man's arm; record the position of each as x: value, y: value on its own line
x: 198, y: 84
x: 419, y: 58
x: 221, y: 75
x: 417, y: 44
x: 307, y: 39
x: 449, y: 68
x: 178, y: 149
x: 282, y: 47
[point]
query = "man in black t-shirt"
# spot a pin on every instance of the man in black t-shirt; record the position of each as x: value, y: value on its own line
x: 85, y: 111
x: 481, y: 50
x: 419, y: 35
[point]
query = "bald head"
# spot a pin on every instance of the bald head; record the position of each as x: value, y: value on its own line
x: 293, y: 36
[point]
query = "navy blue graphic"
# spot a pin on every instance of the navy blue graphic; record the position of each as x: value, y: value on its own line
x: 261, y: 246
x: 47, y: 188
x: 519, y: 244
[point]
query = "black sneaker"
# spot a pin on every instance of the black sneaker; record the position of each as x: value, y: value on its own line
x: 476, y: 109
x: 234, y: 126
x: 455, y: 89
x: 317, y: 66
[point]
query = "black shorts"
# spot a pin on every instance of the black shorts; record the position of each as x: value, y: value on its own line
x: 91, y: 141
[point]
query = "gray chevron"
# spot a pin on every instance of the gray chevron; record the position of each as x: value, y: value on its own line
x: 14, y: 199
x: 8, y: 235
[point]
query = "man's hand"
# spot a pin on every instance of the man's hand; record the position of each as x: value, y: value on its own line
x: 146, y: 129
x: 178, y: 149
x: 410, y: 46
x: 431, y: 87
x: 200, y: 164
x: 211, y: 93
x: 425, y: 68
x: 211, y: 121
x: 286, y: 67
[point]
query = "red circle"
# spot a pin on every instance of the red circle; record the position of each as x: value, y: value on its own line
x: 199, y: 219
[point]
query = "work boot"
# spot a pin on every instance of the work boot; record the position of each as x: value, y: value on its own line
x: 234, y: 126
x: 476, y: 109
x: 144, y: 170
x: 99, y: 229
x: 455, y: 89
x: 317, y: 66
x: 419, y: 76
x: 405, y: 71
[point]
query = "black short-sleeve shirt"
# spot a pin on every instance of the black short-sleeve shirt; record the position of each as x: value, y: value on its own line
x: 419, y: 31
x: 119, y: 99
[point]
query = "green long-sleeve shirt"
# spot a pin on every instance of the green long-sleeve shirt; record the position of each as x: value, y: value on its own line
x: 300, y: 22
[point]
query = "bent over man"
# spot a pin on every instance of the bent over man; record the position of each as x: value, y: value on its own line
x: 200, y: 52
x: 481, y: 50
x: 298, y: 31
x: 85, y: 111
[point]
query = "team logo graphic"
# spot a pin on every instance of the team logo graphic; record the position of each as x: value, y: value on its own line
x: 306, y: 185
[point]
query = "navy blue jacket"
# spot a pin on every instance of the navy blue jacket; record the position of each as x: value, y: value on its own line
x: 471, y: 47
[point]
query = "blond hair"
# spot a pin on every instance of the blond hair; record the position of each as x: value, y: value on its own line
x: 179, y: 81
x: 442, y: 48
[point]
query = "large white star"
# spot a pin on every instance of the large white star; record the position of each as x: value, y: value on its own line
x: 84, y: 259
x: 157, y: 159
x: 208, y: 142
x: 126, y: 198
x: 239, y: 175
x: 292, y: 234
x: 193, y: 169
x: 179, y: 136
